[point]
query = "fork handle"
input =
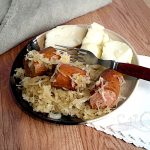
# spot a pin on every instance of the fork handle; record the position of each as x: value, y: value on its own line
x: 133, y: 70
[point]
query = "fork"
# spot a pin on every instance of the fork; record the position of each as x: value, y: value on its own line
x: 88, y: 57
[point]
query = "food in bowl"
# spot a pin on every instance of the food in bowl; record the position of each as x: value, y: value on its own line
x: 120, y: 52
x: 51, y: 83
x: 61, y: 35
x: 66, y: 88
x: 102, y: 46
x: 94, y: 39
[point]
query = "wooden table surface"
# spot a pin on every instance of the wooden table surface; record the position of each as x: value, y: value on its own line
x: 131, y: 19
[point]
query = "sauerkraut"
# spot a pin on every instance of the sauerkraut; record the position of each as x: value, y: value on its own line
x: 45, y: 98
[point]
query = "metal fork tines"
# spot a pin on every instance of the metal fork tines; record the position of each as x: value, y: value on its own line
x: 85, y: 56
x: 75, y: 53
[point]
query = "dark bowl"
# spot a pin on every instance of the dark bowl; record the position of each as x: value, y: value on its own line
x: 38, y: 43
x: 67, y: 120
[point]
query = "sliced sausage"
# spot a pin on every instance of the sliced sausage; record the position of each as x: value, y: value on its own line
x: 107, y: 91
x: 62, y: 76
x: 36, y: 68
x: 49, y: 53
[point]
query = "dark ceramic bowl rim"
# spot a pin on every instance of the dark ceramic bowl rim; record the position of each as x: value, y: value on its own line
x: 24, y: 105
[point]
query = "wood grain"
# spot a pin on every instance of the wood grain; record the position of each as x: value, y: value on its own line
x: 131, y: 19
x: 147, y: 2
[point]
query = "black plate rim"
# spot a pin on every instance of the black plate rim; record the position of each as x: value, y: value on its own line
x: 65, y: 120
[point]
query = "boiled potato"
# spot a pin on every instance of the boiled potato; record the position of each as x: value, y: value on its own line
x: 94, y: 39
x: 118, y: 51
x: 66, y: 35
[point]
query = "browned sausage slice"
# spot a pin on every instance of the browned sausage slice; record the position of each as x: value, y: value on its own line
x: 49, y: 53
x: 38, y: 69
x: 62, y: 76
x: 107, y: 92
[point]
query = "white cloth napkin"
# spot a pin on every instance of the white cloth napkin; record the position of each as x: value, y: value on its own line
x: 131, y: 122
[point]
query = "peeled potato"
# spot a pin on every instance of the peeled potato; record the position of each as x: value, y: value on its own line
x: 95, y: 49
x: 105, y: 38
x: 94, y: 39
x: 118, y: 51
x: 66, y: 35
